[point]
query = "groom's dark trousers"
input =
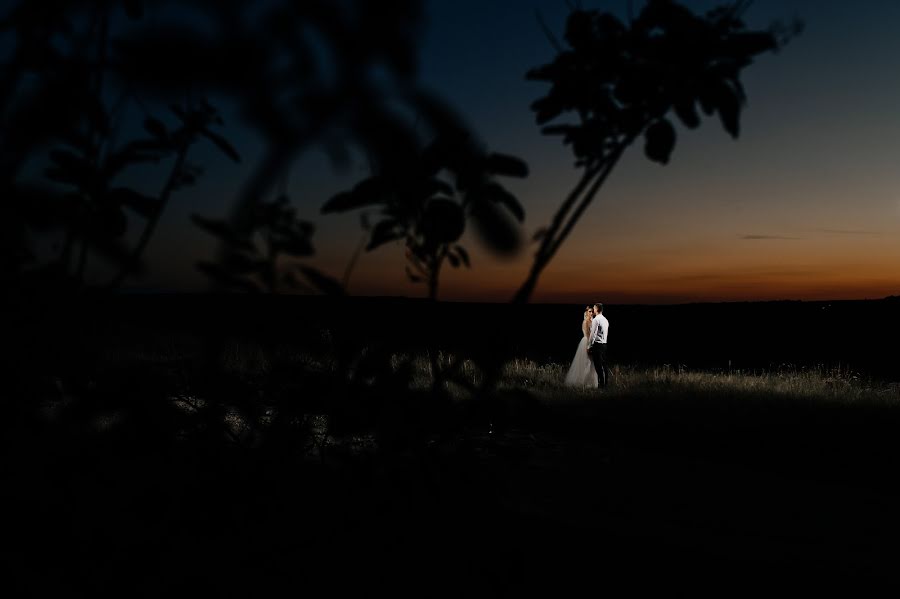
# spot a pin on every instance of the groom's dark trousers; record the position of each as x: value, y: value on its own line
x: 598, y: 355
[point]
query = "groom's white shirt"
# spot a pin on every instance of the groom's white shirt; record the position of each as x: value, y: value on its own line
x: 599, y: 329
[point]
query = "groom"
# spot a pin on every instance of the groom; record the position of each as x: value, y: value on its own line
x: 597, y: 344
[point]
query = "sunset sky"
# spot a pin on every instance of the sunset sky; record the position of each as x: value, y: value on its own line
x: 804, y: 205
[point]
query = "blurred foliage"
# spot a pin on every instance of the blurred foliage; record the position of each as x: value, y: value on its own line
x: 63, y: 100
x: 252, y: 261
x: 342, y: 77
x: 97, y: 94
x: 428, y: 214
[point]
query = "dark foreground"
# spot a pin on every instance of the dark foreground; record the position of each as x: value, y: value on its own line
x: 651, y: 493
x: 112, y: 487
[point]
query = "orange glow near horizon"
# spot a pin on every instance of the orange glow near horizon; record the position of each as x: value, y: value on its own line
x: 659, y: 281
x: 661, y: 256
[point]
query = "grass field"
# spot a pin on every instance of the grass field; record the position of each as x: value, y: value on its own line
x: 670, y: 478
x: 253, y: 361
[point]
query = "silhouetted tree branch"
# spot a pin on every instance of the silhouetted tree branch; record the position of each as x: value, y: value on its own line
x: 622, y: 81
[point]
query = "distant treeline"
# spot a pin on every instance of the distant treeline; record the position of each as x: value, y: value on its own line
x: 858, y: 335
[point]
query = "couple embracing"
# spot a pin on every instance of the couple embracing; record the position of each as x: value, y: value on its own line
x: 589, y: 365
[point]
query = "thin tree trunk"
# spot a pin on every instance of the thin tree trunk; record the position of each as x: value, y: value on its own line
x: 586, y: 200
x: 261, y: 182
x: 561, y: 227
x: 353, y: 259
x: 82, y: 262
x: 164, y: 197
x: 433, y: 275
x: 542, y: 256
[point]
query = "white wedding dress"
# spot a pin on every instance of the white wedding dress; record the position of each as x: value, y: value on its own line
x: 582, y: 372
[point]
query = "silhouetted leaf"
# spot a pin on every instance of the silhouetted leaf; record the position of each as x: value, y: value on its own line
x: 495, y: 228
x: 338, y: 154
x: 78, y: 140
x: 545, y: 72
x: 687, y: 112
x: 501, y: 164
x: 432, y: 160
x: 43, y: 57
x: 322, y: 282
x: 539, y: 234
x: 305, y: 227
x: 633, y: 89
x: 373, y: 190
x: 78, y: 177
x: 750, y: 43
x: 185, y: 179
x: 445, y: 120
x: 96, y: 113
x: 66, y: 159
x: 660, y: 140
x: 113, y: 250
x: 729, y: 107
x: 134, y: 8
x: 207, y: 108
x: 71, y: 169
x: 559, y: 130
x: 412, y: 276
x: 665, y: 14
x: 496, y: 193
x: 111, y: 222
x: 146, y: 206
x: 443, y: 221
x: 416, y: 255
x: 463, y: 255
x: 221, y: 230
x: 608, y: 26
x: 384, y: 232
x: 43, y: 208
x: 454, y: 260
x: 295, y: 243
x: 135, y: 152
x: 179, y: 112
x: 241, y: 264
x: 707, y: 98
x: 457, y: 151
x: 222, y: 144
x: 436, y: 186
x: 547, y: 108
x: 156, y: 128
x: 580, y: 30
x: 290, y: 280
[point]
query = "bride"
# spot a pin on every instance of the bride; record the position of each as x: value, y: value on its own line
x: 582, y: 372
